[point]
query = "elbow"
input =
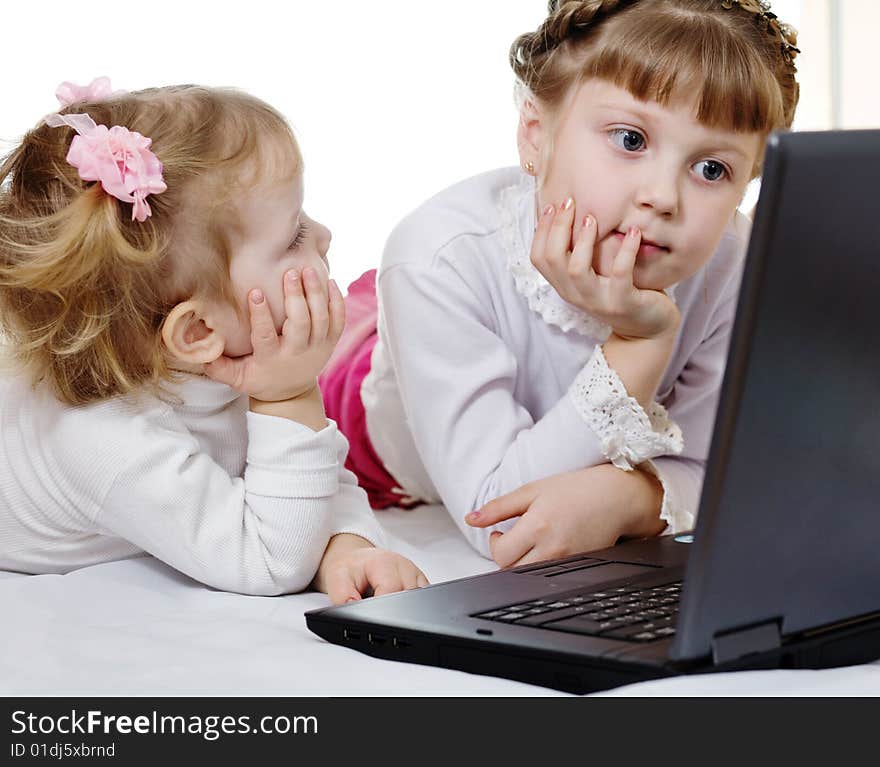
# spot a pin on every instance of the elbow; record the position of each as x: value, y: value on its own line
x: 283, y: 576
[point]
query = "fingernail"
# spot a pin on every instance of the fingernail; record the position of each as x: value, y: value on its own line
x: 588, y: 221
x: 257, y: 296
x: 351, y: 599
x: 633, y: 231
x: 291, y: 275
x: 333, y: 285
x: 473, y: 516
x: 548, y: 210
x: 568, y: 203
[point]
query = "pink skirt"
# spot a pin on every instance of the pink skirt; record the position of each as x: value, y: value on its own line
x: 340, y: 383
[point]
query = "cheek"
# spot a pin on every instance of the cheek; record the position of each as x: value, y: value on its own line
x: 275, y: 296
x: 269, y: 282
x: 707, y: 227
x: 302, y: 259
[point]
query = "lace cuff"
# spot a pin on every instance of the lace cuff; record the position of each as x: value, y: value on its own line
x: 628, y: 434
x: 672, y: 511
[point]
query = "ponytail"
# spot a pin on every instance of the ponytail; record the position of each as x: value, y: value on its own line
x: 72, y: 297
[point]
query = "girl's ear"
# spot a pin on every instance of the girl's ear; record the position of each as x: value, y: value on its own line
x: 530, y: 136
x: 190, y: 335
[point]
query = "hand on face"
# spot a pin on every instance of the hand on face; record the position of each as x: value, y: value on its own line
x: 285, y: 365
x: 612, y: 298
x: 570, y: 513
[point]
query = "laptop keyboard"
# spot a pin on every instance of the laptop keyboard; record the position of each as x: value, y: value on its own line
x: 631, y: 613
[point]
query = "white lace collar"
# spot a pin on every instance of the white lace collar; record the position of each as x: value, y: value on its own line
x: 518, y: 209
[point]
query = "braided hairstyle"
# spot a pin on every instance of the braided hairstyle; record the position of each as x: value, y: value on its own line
x: 735, y: 55
x: 84, y: 290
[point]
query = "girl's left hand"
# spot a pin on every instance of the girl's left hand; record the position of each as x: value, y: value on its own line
x: 614, y: 299
x: 571, y: 513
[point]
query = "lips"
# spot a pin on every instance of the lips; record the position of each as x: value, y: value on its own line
x: 646, y: 247
x: 644, y: 241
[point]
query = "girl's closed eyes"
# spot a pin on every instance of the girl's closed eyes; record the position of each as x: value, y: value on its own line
x: 300, y: 238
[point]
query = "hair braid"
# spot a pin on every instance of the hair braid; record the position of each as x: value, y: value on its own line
x: 735, y: 56
x: 566, y: 20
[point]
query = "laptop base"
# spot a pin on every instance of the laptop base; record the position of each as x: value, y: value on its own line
x: 853, y: 644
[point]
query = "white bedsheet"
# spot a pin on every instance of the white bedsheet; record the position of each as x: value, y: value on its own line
x: 138, y: 627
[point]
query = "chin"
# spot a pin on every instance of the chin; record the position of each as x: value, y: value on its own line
x: 654, y: 279
x: 649, y: 282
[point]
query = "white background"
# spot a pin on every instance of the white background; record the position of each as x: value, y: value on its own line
x: 391, y: 100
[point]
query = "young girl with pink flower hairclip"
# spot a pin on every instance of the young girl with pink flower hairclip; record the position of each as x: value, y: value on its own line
x: 166, y: 309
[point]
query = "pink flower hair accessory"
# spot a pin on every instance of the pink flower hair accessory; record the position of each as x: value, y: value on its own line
x: 97, y: 90
x: 117, y: 157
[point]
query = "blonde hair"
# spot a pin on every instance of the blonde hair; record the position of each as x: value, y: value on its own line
x: 83, y: 288
x: 734, y: 55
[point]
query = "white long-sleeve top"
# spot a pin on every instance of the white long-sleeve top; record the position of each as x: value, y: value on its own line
x: 481, y: 377
x: 240, y: 501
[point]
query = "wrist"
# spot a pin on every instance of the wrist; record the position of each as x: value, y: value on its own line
x: 306, y: 408
x: 639, y: 363
x: 645, y: 503
x: 308, y: 390
x: 664, y: 329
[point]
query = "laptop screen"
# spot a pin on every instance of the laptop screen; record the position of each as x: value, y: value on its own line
x: 789, y: 519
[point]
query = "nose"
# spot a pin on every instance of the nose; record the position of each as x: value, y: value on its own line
x: 659, y: 192
x: 322, y: 240
x: 323, y: 237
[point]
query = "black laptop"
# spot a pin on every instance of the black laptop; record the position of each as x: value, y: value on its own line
x: 783, y: 568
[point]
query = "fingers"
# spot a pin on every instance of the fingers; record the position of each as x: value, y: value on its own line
x: 341, y: 586
x: 624, y: 263
x: 507, y: 548
x: 390, y: 572
x: 317, y: 299
x: 298, y: 322
x: 225, y: 370
x: 264, y: 339
x: 535, y: 555
x: 542, y: 231
x: 559, y: 238
x: 410, y: 575
x: 580, y: 265
x: 337, y: 312
x: 504, y: 507
x: 384, y: 576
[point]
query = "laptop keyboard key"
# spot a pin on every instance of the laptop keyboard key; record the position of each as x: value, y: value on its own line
x: 628, y: 613
x: 554, y: 615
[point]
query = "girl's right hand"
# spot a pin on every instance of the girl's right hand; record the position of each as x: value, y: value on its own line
x: 614, y: 299
x: 353, y: 568
x: 285, y: 366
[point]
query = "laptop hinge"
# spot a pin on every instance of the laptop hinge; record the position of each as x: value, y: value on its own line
x: 731, y: 645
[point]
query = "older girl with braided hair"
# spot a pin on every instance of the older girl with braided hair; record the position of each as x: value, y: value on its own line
x: 551, y: 338
x: 166, y: 308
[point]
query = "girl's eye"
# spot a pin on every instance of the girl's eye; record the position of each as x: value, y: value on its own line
x: 300, y: 236
x: 628, y: 139
x: 710, y: 170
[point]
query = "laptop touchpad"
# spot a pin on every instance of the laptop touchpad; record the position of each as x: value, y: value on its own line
x: 598, y: 573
